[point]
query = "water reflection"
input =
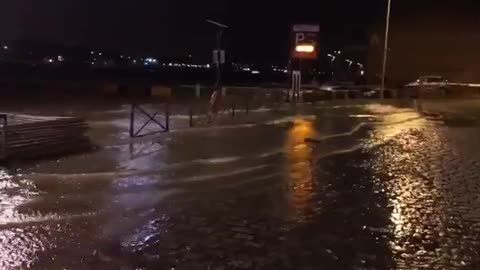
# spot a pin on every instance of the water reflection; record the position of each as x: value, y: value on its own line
x: 17, y: 247
x: 299, y: 168
x: 413, y: 201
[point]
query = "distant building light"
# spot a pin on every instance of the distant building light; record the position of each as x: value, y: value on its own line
x: 207, y: 65
x: 246, y: 69
x: 5, y: 47
x: 362, y: 72
x: 134, y: 61
x: 121, y: 56
x: 100, y: 54
x: 305, y: 48
x: 50, y: 60
x: 255, y: 72
x: 60, y: 58
x: 92, y: 52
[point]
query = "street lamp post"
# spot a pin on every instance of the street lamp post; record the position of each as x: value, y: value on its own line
x: 220, y: 29
x: 385, y: 50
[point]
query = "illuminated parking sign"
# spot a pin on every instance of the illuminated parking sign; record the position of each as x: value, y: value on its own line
x: 305, y: 38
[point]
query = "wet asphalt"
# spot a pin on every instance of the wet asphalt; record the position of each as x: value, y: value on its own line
x: 330, y: 186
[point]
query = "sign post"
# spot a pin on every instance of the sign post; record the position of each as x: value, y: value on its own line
x: 305, y: 38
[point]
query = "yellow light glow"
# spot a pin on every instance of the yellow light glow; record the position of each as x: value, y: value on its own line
x: 298, y: 165
x: 305, y: 48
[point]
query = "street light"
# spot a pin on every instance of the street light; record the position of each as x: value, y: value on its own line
x: 220, y: 28
x: 385, y: 50
x: 305, y: 48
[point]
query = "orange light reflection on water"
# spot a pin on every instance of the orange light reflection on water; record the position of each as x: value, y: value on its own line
x: 299, y: 168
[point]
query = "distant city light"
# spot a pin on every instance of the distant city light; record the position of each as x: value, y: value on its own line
x: 60, y: 58
x: 362, y: 72
x: 255, y: 72
x: 207, y: 65
x: 99, y: 54
x: 134, y: 61
x: 121, y: 56
x: 50, y: 60
x: 360, y: 65
x: 150, y: 60
x: 5, y: 47
x: 246, y: 69
x: 92, y: 52
x: 306, y: 48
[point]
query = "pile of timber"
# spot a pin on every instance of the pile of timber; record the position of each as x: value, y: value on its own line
x: 28, y: 137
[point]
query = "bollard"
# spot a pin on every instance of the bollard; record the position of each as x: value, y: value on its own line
x: 394, y: 93
x: 197, y: 90
x: 190, y: 115
x: 132, y: 122
x: 4, y: 117
x: 3, y: 138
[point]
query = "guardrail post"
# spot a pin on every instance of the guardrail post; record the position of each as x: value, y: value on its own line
x: 167, y: 116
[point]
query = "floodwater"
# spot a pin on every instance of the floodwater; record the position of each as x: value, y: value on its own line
x: 349, y: 186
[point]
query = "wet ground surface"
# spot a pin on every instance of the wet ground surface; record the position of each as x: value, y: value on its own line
x: 349, y: 186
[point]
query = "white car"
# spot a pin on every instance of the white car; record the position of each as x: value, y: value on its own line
x: 429, y: 82
x: 429, y: 85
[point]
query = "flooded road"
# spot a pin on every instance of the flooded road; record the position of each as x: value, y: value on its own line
x: 365, y: 186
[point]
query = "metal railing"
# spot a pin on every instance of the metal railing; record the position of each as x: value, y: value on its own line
x: 161, y: 126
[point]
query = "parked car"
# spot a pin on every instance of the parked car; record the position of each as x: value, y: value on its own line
x: 428, y: 85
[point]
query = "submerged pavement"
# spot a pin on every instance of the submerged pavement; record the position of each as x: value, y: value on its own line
x: 350, y: 186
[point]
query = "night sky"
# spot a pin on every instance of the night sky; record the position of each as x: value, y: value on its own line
x: 259, y: 30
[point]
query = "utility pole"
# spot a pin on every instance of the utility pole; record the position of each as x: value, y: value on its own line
x: 385, y: 50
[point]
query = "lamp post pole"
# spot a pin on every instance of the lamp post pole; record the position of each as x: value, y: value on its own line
x: 385, y: 50
x: 218, y: 50
x: 218, y: 80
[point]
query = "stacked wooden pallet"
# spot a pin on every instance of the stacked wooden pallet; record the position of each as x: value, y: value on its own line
x: 27, y: 137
